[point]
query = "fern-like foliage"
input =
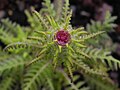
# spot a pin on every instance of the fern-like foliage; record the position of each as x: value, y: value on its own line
x: 11, y: 63
x: 37, y: 75
x: 107, y: 25
x: 50, y: 47
x: 104, y: 57
x: 12, y: 30
x: 6, y: 83
x: 54, y: 44
x: 97, y: 83
x: 74, y: 85
x: 11, y: 69
x: 58, y: 6
x: 48, y: 8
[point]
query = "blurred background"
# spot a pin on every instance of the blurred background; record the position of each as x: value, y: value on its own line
x: 83, y: 12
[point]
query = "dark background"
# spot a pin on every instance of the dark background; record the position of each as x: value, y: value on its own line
x: 83, y: 12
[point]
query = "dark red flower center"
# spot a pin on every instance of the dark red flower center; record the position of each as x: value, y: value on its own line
x: 63, y: 37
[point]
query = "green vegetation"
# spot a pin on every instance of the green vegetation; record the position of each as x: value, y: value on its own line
x: 37, y: 57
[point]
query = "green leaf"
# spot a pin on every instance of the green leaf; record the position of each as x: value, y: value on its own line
x: 13, y: 63
x: 33, y: 77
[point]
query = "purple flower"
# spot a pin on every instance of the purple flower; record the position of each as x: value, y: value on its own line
x: 63, y: 37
